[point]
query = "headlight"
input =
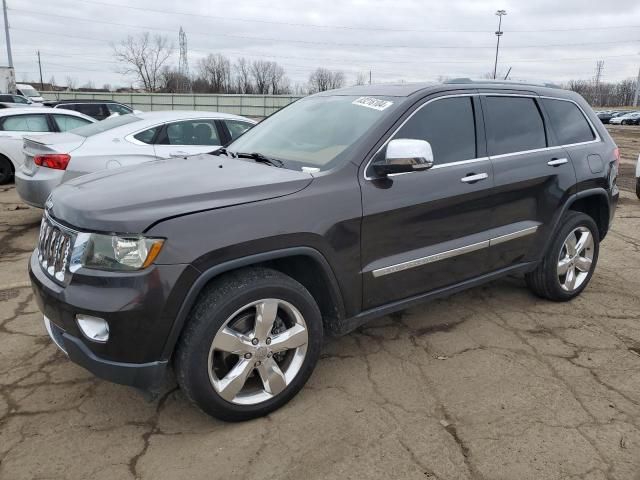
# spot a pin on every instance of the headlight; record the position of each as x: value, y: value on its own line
x: 114, y: 252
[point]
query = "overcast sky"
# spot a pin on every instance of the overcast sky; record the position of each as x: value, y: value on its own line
x: 406, y: 40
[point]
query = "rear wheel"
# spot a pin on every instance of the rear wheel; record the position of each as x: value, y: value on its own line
x: 568, y: 265
x: 638, y: 187
x: 250, y: 344
x: 6, y: 170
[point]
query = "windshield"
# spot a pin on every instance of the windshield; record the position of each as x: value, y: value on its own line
x: 104, y: 125
x: 314, y: 131
x: 29, y: 92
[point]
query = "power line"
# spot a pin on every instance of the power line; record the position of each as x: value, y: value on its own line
x: 315, y: 42
x: 344, y: 27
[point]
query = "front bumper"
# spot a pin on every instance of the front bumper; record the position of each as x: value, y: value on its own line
x: 35, y: 189
x: 140, y: 308
x: 146, y: 376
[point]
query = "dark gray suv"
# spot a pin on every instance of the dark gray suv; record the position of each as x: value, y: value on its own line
x: 229, y: 268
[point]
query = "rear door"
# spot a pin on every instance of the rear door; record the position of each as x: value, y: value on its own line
x: 187, y: 137
x: 426, y: 230
x: 533, y: 176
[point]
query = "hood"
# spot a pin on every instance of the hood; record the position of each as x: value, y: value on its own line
x: 131, y: 199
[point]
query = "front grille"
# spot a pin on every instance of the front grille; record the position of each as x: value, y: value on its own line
x: 54, y: 248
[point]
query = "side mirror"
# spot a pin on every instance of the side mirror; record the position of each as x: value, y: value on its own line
x: 405, y: 155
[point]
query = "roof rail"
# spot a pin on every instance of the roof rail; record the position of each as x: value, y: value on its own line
x: 502, y: 82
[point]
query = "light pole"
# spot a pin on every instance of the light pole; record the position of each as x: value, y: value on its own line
x: 499, y: 33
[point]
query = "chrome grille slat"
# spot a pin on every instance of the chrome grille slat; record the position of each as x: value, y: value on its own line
x: 54, y: 248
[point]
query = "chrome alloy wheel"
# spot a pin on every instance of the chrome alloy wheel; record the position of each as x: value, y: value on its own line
x: 258, y: 351
x: 575, y: 259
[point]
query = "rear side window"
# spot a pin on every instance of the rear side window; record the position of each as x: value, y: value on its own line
x: 514, y: 124
x: 448, y: 125
x: 68, y: 122
x: 119, y: 109
x: 569, y: 123
x: 25, y: 123
x: 146, y: 136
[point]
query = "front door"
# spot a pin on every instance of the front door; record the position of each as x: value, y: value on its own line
x: 426, y: 230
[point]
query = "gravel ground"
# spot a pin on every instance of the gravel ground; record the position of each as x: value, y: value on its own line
x: 491, y: 384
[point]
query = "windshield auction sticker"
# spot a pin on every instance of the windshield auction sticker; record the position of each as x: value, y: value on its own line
x: 374, y: 103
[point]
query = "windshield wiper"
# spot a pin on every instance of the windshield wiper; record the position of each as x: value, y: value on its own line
x: 258, y: 157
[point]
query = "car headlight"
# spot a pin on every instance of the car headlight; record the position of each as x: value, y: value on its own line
x: 114, y: 252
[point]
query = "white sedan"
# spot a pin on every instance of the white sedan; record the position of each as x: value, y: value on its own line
x: 120, y: 141
x: 32, y: 121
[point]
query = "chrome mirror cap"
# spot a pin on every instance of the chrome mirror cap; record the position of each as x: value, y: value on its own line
x: 405, y: 155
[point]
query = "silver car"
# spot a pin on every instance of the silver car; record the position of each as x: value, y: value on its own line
x: 50, y: 160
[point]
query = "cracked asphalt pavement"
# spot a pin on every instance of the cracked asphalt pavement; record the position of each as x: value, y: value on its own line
x: 489, y: 384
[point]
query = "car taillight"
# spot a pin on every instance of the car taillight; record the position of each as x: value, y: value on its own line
x: 616, y: 153
x: 57, y: 161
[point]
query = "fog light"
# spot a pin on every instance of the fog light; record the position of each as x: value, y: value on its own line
x: 94, y: 328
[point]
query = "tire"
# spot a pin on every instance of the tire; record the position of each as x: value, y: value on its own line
x: 638, y: 187
x: 546, y: 281
x: 231, y: 303
x: 6, y: 170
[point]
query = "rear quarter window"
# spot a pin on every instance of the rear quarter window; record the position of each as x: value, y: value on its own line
x: 568, y: 122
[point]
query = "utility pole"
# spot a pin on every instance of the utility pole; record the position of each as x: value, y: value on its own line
x: 369, y: 77
x: 40, y: 67
x: 6, y: 32
x: 635, y: 99
x: 499, y: 33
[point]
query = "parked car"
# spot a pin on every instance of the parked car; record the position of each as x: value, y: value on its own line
x: 120, y: 141
x: 344, y: 206
x: 606, y: 116
x: 32, y: 120
x: 631, y: 118
x: 29, y: 92
x: 98, y: 109
x: 17, y: 99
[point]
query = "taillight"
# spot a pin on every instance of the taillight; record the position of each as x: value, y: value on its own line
x: 57, y: 161
x: 616, y: 154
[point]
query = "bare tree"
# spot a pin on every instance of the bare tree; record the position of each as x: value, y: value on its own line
x: 361, y: 78
x: 279, y: 81
x: 170, y: 80
x: 261, y: 71
x: 242, y: 75
x: 143, y: 57
x: 216, y: 70
x: 72, y: 82
x: 322, y: 79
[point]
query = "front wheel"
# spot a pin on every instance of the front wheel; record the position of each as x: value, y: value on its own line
x: 568, y: 265
x: 638, y: 187
x: 250, y: 344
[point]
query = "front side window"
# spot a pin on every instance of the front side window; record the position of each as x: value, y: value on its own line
x: 191, y: 132
x: 569, y: 123
x: 19, y: 99
x: 25, y: 123
x: 448, y: 125
x: 68, y: 122
x: 237, y: 128
x: 514, y: 124
x: 95, y: 110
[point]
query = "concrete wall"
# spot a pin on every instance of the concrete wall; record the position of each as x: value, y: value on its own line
x: 246, y: 105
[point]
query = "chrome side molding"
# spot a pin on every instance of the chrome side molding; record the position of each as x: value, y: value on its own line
x: 398, y: 267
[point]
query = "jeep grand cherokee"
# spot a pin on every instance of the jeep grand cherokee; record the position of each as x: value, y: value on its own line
x: 228, y: 268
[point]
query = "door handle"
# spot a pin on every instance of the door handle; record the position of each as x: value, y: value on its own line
x: 179, y: 154
x: 474, y: 177
x: 554, y: 162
